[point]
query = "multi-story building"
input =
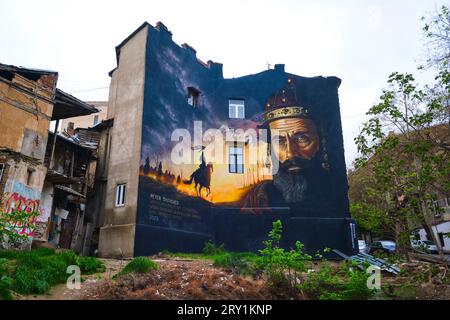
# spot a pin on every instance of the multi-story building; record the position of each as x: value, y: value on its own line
x: 29, y: 101
x: 192, y: 156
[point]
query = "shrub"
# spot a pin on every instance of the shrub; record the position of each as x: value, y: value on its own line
x: 211, y: 249
x: 283, y: 267
x: 347, y: 283
x: 138, y: 265
x: 242, y: 263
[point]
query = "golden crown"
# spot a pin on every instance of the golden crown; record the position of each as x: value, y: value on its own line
x: 285, y: 112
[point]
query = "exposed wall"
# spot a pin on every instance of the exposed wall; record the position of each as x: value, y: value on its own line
x: 46, y: 205
x: 125, y: 106
x: 25, y: 116
x: 23, y: 192
x: 25, y: 111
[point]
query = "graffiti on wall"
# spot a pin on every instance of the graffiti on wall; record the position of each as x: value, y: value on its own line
x: 22, y: 198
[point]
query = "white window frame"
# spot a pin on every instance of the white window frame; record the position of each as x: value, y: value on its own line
x: 233, y: 157
x: 120, y: 194
x: 96, y: 119
x: 236, y: 108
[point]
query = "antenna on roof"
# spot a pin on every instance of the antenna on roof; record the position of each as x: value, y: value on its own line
x: 268, y: 65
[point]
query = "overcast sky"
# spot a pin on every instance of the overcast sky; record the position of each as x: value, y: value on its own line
x: 361, y: 42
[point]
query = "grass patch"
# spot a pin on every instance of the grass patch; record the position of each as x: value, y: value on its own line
x: 243, y: 263
x: 36, y: 271
x: 138, y: 265
x: 90, y: 265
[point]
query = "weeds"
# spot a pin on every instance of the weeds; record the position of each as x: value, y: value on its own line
x: 282, y: 267
x: 346, y: 283
x: 211, y: 249
x: 138, y: 265
x: 36, y: 271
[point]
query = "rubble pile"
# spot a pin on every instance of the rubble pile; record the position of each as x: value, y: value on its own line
x: 183, y: 280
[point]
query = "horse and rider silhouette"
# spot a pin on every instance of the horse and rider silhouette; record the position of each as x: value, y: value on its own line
x: 201, y: 178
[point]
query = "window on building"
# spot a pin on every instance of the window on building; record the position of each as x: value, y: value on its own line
x: 120, y: 194
x: 95, y: 120
x: 30, y: 172
x: 2, y: 167
x: 236, y: 156
x: 236, y: 109
x: 193, y: 97
x: 437, y: 209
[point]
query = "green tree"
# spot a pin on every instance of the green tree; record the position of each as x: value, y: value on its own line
x: 403, y: 146
x: 406, y: 143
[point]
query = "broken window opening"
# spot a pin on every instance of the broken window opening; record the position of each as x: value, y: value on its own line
x: 30, y: 172
x: 193, y: 97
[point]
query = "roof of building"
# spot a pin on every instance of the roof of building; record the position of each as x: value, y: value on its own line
x: 160, y: 27
x: 142, y: 26
x: 73, y: 140
x: 67, y: 106
x: 29, y: 73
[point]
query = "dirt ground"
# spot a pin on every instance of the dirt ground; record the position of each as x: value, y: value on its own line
x: 181, y: 279
x: 184, y: 279
x: 174, y: 279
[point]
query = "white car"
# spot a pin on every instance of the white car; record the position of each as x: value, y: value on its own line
x: 386, y: 246
x: 362, y: 246
x: 424, y: 245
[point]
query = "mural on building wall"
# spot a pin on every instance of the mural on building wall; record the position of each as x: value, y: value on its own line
x: 222, y: 159
x: 299, y: 149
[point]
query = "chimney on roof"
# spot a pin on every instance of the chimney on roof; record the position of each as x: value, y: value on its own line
x: 279, y: 67
x: 190, y: 50
x: 215, y: 69
x: 163, y: 30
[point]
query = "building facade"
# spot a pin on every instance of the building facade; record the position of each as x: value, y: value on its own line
x: 33, y: 166
x: 26, y: 108
x: 193, y: 156
x: 87, y: 121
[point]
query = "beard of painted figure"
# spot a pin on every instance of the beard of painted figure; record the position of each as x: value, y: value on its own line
x: 296, y: 149
x: 295, y: 184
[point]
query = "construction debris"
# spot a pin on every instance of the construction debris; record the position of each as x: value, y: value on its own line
x: 363, y: 259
